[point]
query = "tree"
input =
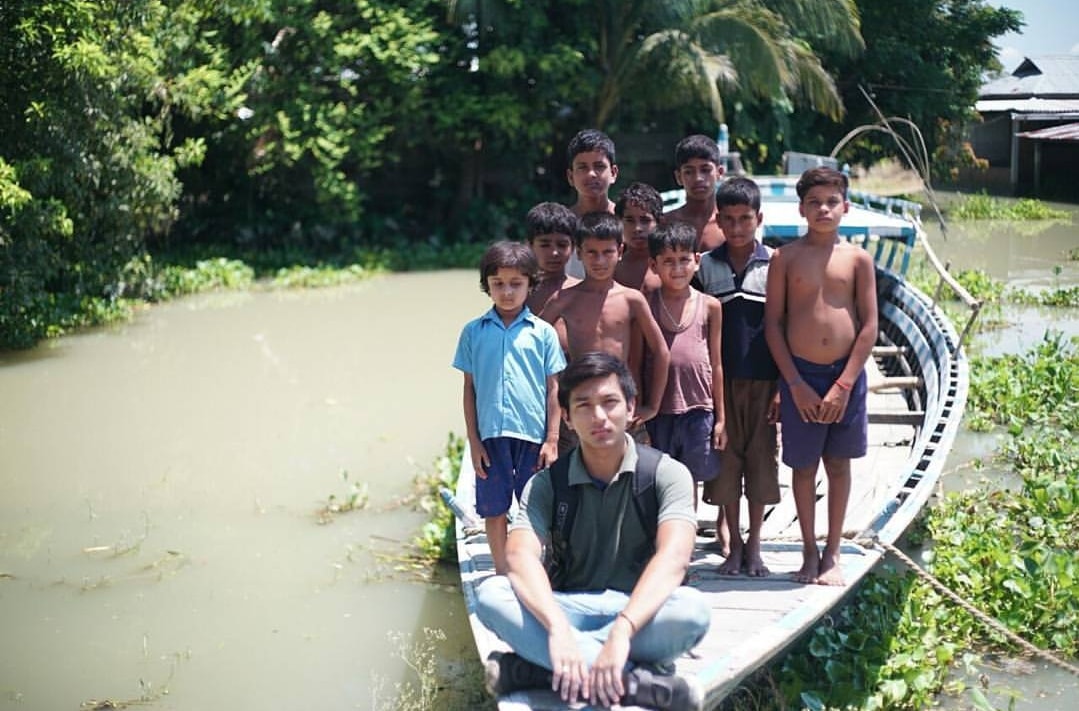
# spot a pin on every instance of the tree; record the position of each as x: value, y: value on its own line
x: 87, y: 163
x: 687, y: 51
x: 925, y: 61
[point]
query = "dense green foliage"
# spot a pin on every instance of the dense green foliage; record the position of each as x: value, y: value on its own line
x: 320, y: 130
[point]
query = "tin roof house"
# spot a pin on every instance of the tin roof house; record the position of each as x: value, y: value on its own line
x: 1030, y: 131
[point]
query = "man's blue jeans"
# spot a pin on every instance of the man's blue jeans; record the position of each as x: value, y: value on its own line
x: 678, y: 626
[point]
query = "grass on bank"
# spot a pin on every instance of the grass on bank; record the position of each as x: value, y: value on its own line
x: 147, y: 279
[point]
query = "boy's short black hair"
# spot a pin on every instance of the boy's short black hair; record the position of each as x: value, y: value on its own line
x: 696, y: 146
x: 514, y: 255
x: 601, y: 225
x: 821, y: 176
x: 739, y: 191
x: 590, y: 139
x: 594, y: 365
x: 644, y: 196
x: 675, y: 235
x: 549, y: 218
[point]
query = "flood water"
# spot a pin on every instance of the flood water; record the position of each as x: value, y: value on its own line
x: 159, y: 482
x: 1031, y: 256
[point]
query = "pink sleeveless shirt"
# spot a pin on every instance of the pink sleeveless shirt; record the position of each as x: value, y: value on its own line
x: 689, y: 380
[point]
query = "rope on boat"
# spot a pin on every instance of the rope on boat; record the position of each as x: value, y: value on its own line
x: 985, y: 619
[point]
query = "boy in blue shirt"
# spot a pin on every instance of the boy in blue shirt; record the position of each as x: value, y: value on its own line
x: 510, y: 359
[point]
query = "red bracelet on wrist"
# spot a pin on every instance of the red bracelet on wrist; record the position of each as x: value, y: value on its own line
x: 842, y: 385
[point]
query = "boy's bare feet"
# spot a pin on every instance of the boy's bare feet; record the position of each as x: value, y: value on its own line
x: 829, y: 572
x: 723, y: 536
x: 733, y: 564
x: 753, y: 563
x: 809, y: 571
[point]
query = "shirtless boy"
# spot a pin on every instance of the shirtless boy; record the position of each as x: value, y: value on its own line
x: 640, y: 208
x: 551, y: 230
x: 592, y: 171
x: 820, y: 320
x: 601, y: 315
x: 698, y: 172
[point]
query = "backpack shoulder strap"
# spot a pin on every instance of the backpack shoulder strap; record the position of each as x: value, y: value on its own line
x: 645, y: 496
x: 564, y: 500
x: 563, y: 512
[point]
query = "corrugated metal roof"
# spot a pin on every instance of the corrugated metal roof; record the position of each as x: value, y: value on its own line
x: 1029, y: 106
x: 1068, y: 132
x: 1054, y: 75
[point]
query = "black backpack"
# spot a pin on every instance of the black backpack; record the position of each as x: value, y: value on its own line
x: 566, y: 499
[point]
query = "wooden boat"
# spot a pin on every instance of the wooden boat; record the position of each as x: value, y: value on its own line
x: 918, y: 387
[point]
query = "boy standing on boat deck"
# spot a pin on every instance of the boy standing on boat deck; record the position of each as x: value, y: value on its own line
x: 821, y: 323
x: 698, y: 172
x: 640, y: 208
x: 690, y: 423
x: 592, y: 171
x: 602, y: 315
x: 611, y: 601
x: 510, y: 359
x: 736, y: 273
x: 552, y: 228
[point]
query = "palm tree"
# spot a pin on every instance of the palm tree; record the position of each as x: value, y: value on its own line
x: 689, y: 50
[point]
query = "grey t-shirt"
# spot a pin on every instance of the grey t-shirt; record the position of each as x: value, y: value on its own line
x: 609, y: 544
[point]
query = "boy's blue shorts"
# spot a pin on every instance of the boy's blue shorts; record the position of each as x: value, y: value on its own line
x: 804, y: 443
x: 687, y: 437
x: 513, y: 461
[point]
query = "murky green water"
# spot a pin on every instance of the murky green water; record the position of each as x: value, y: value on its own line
x: 159, y: 481
x: 158, y: 484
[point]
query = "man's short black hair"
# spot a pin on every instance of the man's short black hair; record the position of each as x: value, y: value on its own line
x: 590, y: 139
x: 514, y: 255
x: 738, y: 191
x: 594, y: 365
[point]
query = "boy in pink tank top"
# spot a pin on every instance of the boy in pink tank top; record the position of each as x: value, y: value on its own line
x: 690, y: 423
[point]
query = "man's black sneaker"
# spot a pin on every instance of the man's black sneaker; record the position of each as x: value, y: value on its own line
x: 662, y: 691
x: 506, y: 672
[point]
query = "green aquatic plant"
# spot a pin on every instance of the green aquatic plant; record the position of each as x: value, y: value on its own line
x: 1037, y: 387
x: 1063, y: 297
x: 981, y: 206
x: 355, y: 498
x: 437, y: 539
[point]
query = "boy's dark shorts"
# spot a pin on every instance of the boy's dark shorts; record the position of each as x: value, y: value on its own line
x: 687, y: 437
x: 751, y: 459
x: 804, y: 443
x: 513, y: 461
